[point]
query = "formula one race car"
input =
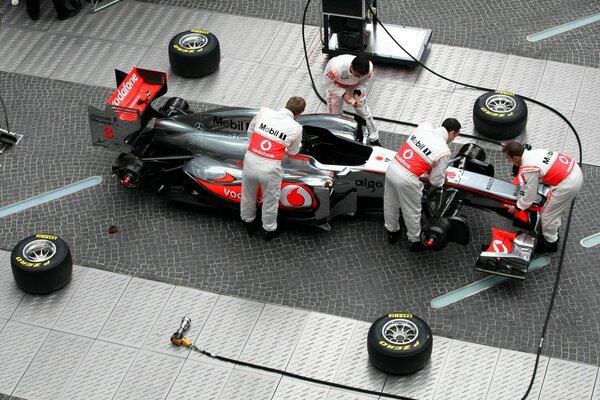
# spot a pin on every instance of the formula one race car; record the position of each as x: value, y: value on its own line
x: 197, y: 158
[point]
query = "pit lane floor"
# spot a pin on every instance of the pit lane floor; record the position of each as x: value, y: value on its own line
x: 348, y: 273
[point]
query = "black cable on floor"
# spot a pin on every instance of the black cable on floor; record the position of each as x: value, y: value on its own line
x: 569, y: 218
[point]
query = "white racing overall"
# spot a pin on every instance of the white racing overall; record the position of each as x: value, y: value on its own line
x: 557, y: 170
x: 338, y: 80
x: 271, y: 134
x: 424, y: 151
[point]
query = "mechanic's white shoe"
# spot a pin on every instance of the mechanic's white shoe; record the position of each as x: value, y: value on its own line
x: 374, y: 143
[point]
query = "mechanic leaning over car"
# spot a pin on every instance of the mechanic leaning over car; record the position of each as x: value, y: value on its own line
x: 345, y: 78
x: 271, y: 134
x: 562, y: 173
x: 425, y: 151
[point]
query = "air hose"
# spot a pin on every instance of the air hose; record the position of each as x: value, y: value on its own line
x: 568, y: 225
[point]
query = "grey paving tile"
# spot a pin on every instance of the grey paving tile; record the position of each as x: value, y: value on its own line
x: 10, y: 294
x: 38, y: 62
x: 249, y: 384
x: 461, y: 108
x: 546, y: 130
x: 213, y: 378
x: 2, y: 323
x: 17, y: 17
x: 264, y: 346
x: 292, y: 389
x: 273, y: 77
x: 121, y: 56
x: 522, y: 75
x: 586, y: 125
x: 355, y: 369
x: 312, y: 357
x: 101, y: 371
x: 157, y: 59
x: 422, y: 384
x: 150, y: 376
x: 446, y: 61
x: 225, y: 28
x: 254, y: 39
x: 78, y: 65
x: 144, y: 28
x: 340, y: 394
x: 53, y: 366
x: 195, y: 304
x: 426, y: 105
x: 560, y: 85
x: 588, y: 96
x: 225, y: 85
x: 387, y: 100
x: 182, y: 19
x: 228, y: 313
x: 15, y: 45
x: 186, y: 88
x: 109, y: 23
x: 44, y: 310
x: 92, y: 303
x: 470, y: 364
x: 512, y: 376
x: 568, y: 380
x: 483, y: 69
x: 300, y: 85
x: 139, y: 306
x: 287, y: 49
x: 15, y: 355
x: 396, y: 74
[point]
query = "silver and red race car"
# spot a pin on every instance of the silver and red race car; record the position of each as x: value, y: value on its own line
x: 197, y: 158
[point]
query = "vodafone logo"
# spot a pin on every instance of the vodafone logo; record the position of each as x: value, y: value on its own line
x: 499, y: 247
x: 295, y: 197
x: 408, y: 154
x: 563, y: 159
x: 266, y: 145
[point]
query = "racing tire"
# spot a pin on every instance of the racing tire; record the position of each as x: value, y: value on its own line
x: 399, y: 343
x: 499, y: 115
x: 41, y: 263
x: 194, y: 53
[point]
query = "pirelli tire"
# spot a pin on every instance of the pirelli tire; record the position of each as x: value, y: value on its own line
x: 194, y: 53
x: 41, y: 263
x: 500, y: 115
x: 399, y: 343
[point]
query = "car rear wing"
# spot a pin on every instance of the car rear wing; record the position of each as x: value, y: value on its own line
x: 127, y: 110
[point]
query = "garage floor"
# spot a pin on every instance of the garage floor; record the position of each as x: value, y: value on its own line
x: 169, y: 260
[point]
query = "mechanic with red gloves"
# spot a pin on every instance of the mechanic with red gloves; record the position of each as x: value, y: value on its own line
x: 271, y: 134
x: 562, y: 173
x: 345, y: 78
x: 425, y: 151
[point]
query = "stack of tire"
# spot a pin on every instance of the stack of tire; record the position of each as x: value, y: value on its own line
x: 194, y: 53
x: 399, y: 343
x: 500, y: 115
x: 41, y: 263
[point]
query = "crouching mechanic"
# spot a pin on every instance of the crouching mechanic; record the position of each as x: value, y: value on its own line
x: 554, y: 169
x: 345, y: 78
x: 271, y: 134
x: 425, y: 151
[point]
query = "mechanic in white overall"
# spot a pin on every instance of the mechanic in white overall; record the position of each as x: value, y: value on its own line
x: 562, y: 173
x: 271, y: 135
x: 425, y: 151
x: 345, y: 78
